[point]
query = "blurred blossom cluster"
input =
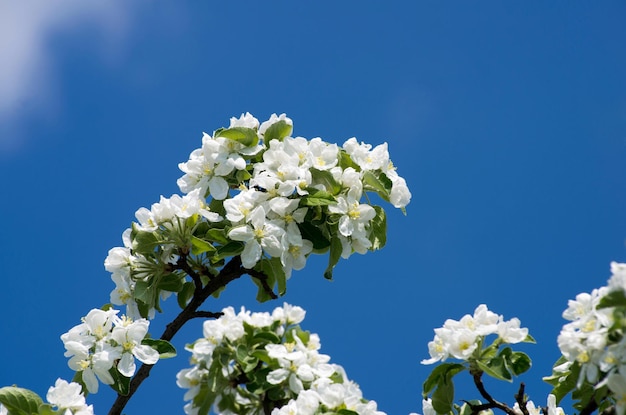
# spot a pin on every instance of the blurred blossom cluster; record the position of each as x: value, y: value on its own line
x: 247, y: 363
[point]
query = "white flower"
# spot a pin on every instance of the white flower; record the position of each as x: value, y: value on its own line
x: 68, y: 398
x: 510, y: 331
x: 246, y: 120
x: 352, y: 213
x: 259, y: 236
x: 129, y: 335
x: 274, y: 119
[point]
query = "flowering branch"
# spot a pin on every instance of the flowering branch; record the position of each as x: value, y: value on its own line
x: 231, y: 271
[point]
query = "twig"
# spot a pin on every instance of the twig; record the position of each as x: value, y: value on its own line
x: 521, y: 399
x: 492, y: 403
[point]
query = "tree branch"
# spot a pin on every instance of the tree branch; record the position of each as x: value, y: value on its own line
x: 231, y: 271
x: 521, y: 399
x: 491, y: 403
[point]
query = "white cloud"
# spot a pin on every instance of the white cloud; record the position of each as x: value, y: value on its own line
x: 27, y: 64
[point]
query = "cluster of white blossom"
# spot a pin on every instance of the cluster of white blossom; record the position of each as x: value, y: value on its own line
x: 266, y: 185
x: 103, y: 341
x: 593, y: 340
x: 289, y: 360
x: 459, y: 339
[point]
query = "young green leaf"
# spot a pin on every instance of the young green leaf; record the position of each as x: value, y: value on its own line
x: 20, y: 401
x: 277, y: 131
x: 166, y: 349
x: 333, y: 257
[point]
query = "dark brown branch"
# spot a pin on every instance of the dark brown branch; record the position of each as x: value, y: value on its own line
x: 491, y: 402
x: 183, y: 265
x: 231, y: 271
x: 207, y: 314
x: 521, y: 399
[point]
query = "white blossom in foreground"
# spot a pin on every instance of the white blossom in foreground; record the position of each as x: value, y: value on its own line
x: 105, y: 341
x: 236, y: 347
x: 68, y: 398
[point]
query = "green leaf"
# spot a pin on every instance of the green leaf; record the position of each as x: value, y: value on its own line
x: 121, y: 384
x: 277, y: 131
x: 333, y: 257
x: 273, y: 268
x: 443, y: 397
x: 518, y: 363
x: 564, y: 383
x: 265, y: 337
x: 496, y: 368
x: 314, y: 234
x: 241, y: 352
x: 166, y: 349
x: 243, y: 135
x: 230, y: 249
x: 171, y: 282
x: 378, y: 236
x: 438, y: 372
x: 200, y: 246
x: 326, y: 178
x: 185, y: 294
x: 145, y: 292
x: 613, y: 299
x: 46, y: 409
x: 145, y: 242
x: 318, y: 197
x: 217, y: 235
x: 378, y: 182
x: 20, y: 401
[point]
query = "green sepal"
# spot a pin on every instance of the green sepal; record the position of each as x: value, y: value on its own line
x: 200, y: 246
x: 529, y: 339
x: 243, y: 135
x: 333, y: 257
x: 166, y: 349
x: 378, y: 227
x: 185, y: 294
x: 20, y: 401
x: 277, y: 131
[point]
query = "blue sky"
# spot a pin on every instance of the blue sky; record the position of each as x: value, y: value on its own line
x: 507, y: 119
